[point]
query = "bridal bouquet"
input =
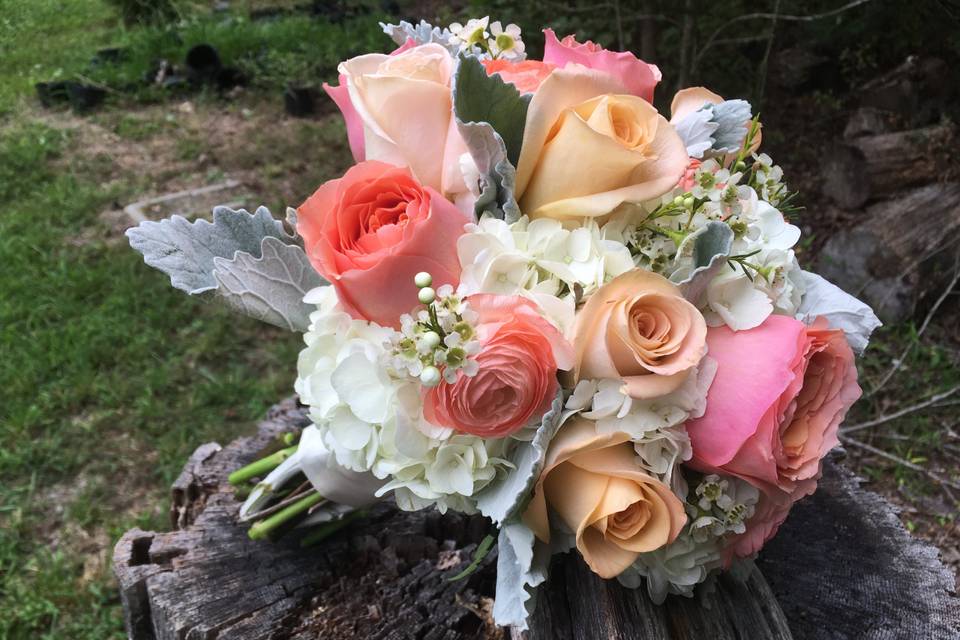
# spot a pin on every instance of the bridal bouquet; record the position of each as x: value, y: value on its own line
x: 537, y: 298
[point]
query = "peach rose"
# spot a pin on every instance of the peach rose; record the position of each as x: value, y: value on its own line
x: 639, y: 328
x: 589, y: 146
x: 404, y: 104
x: 595, y: 484
x: 773, y: 411
x: 351, y: 119
x: 517, y: 381
x: 526, y: 76
x: 638, y: 77
x: 371, y: 231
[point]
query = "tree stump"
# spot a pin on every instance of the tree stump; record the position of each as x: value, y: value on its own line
x: 842, y: 567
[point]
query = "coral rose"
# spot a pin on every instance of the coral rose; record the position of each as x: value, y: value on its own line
x: 371, y: 231
x: 638, y: 327
x: 638, y: 77
x: 404, y: 108
x: 526, y: 76
x: 517, y: 380
x: 589, y: 146
x: 596, y: 486
x: 773, y: 412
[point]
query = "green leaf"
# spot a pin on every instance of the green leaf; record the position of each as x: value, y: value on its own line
x: 481, y: 552
x: 478, y: 97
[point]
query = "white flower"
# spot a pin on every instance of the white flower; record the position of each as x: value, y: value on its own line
x: 675, y: 568
x: 372, y: 420
x: 506, y: 43
x: 470, y: 35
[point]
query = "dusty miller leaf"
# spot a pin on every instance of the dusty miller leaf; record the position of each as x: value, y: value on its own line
x: 503, y: 498
x: 522, y: 563
x: 270, y: 287
x: 185, y: 250
x: 711, y: 246
x: 733, y: 120
x: 497, y: 176
x: 842, y: 310
x: 478, y: 97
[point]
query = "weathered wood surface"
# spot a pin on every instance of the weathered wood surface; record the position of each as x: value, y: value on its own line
x: 871, y: 167
x: 386, y: 577
x: 904, y: 250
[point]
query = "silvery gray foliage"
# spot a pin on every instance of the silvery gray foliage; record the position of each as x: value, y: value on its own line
x: 732, y: 118
x: 270, y: 287
x: 185, y: 250
x: 522, y: 564
x: 711, y: 247
x: 491, y: 116
x: 503, y: 498
x: 696, y: 130
x: 422, y: 33
x: 842, y: 310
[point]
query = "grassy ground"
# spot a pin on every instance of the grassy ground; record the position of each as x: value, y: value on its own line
x: 109, y: 378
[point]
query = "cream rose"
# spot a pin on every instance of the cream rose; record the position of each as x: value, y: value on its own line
x: 403, y: 102
x: 595, y: 484
x: 639, y: 328
x: 589, y: 146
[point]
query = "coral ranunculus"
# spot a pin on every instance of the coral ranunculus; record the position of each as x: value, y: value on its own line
x: 526, y: 75
x: 773, y: 412
x: 517, y: 380
x: 371, y: 231
x: 595, y: 485
x: 639, y: 328
x: 638, y: 77
x: 589, y: 146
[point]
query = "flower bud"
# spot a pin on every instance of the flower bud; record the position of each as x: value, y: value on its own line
x: 431, y: 339
x: 423, y: 279
x: 430, y: 377
x: 427, y: 295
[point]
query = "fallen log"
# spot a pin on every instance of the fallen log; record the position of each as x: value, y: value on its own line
x: 904, y: 250
x: 387, y: 576
x: 870, y: 167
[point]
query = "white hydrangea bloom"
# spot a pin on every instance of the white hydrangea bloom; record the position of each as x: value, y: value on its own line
x: 676, y: 568
x: 541, y: 260
x: 371, y: 420
x: 656, y: 426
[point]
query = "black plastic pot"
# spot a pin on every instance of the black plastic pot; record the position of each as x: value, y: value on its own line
x: 52, y: 94
x: 84, y: 97
x: 228, y: 78
x: 300, y: 102
x: 203, y: 63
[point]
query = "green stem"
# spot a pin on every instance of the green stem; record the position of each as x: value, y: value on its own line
x: 326, y: 530
x: 261, y: 467
x: 263, y: 528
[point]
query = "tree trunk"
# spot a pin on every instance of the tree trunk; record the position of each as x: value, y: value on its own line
x: 874, y: 166
x: 841, y: 563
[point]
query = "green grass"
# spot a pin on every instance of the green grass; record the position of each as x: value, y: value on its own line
x: 109, y: 377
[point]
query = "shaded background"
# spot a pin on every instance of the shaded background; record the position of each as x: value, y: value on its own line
x: 109, y: 377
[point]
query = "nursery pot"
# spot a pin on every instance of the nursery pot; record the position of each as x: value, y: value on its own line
x: 203, y: 63
x: 84, y: 97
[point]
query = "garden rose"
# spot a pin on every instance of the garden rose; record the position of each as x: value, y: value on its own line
x: 637, y: 76
x: 773, y: 412
x: 404, y: 107
x: 372, y: 230
x: 588, y: 147
x: 776, y: 403
x: 638, y: 327
x: 526, y: 76
x: 517, y: 379
x: 595, y: 484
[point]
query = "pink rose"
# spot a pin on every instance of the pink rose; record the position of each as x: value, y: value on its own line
x: 341, y: 96
x: 517, y: 380
x: 526, y: 76
x: 639, y: 77
x: 399, y: 109
x: 371, y: 231
x: 773, y: 412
